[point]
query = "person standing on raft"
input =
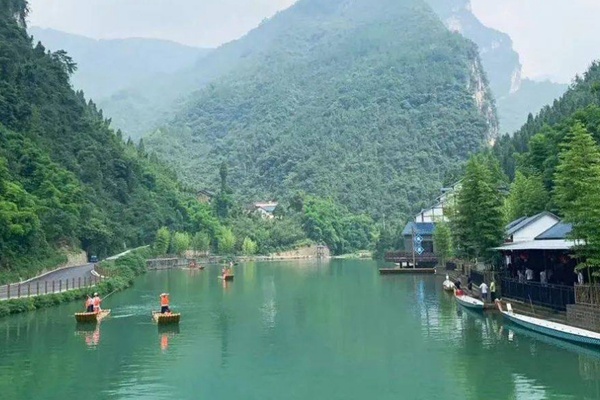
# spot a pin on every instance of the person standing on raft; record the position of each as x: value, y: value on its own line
x: 89, y: 304
x: 96, y: 303
x: 164, y: 303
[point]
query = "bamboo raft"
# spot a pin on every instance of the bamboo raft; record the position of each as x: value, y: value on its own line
x: 89, y: 317
x: 165, y: 319
x: 226, y: 277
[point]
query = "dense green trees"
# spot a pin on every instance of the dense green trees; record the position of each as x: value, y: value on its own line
x: 577, y: 192
x: 478, y: 222
x: 528, y: 196
x: 442, y: 241
x: 66, y: 179
x: 320, y: 99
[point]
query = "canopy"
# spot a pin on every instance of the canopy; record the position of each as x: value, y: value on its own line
x: 538, y: 245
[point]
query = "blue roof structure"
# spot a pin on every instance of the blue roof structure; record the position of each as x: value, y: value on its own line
x: 557, y: 232
x: 420, y: 228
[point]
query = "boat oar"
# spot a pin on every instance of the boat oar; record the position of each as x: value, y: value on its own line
x: 104, y: 298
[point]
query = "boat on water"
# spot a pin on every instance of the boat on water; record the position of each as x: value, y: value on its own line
x: 448, y: 285
x: 468, y: 301
x: 89, y: 317
x: 550, y: 328
x: 226, y: 277
x: 165, y: 319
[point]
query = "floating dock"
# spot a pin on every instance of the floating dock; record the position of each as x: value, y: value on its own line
x: 393, y: 271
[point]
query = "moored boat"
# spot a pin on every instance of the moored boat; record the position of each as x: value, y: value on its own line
x: 165, y: 319
x: 89, y: 317
x: 550, y: 328
x: 469, y: 302
x: 448, y: 285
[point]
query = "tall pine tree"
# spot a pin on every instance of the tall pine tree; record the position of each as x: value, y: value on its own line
x: 577, y: 193
x: 478, y: 221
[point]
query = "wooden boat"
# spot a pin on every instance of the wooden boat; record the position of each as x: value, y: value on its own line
x: 448, y: 285
x: 88, y: 317
x: 165, y: 319
x: 469, y: 302
x: 549, y: 328
x: 226, y: 277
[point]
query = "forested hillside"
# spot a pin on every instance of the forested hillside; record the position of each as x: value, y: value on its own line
x: 544, y: 131
x: 66, y: 179
x: 370, y: 102
x: 552, y: 163
x: 515, y: 97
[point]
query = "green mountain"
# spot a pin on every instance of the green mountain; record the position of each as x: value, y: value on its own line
x: 108, y: 69
x: 66, y: 179
x: 369, y: 102
x: 537, y: 143
x: 515, y: 97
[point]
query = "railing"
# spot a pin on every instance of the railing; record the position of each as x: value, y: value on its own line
x: 404, y: 256
x: 38, y: 288
x: 587, y: 295
x: 553, y: 296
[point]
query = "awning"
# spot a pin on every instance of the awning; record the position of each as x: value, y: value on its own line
x: 538, y: 245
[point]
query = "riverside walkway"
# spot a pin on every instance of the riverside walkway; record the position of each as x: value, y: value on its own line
x: 56, y: 281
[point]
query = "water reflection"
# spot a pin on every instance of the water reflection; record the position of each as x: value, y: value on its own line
x: 90, y: 333
x: 269, y: 307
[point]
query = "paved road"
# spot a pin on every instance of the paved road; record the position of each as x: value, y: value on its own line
x: 82, y: 271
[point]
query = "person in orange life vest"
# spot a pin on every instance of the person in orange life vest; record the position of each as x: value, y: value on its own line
x: 97, y: 300
x: 164, y: 303
x: 89, y: 304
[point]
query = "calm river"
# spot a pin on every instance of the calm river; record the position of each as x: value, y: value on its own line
x: 294, y: 330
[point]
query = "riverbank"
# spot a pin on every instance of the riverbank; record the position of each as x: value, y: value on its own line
x: 118, y: 274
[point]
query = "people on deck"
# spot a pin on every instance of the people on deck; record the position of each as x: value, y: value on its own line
x: 580, y: 279
x: 493, y: 290
x: 543, y: 277
x: 529, y: 274
x: 470, y: 284
x: 89, y: 304
x: 164, y: 303
x: 457, y: 284
x: 484, y: 291
x: 96, y: 302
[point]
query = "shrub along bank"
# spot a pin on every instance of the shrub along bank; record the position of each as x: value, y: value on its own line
x: 120, y: 275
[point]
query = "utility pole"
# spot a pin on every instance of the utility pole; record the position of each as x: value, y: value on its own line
x: 413, y: 246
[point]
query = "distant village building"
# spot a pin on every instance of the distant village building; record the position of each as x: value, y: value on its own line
x: 204, y: 196
x: 438, y: 211
x: 265, y: 209
x: 424, y: 230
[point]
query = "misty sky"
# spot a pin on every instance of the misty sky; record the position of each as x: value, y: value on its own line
x: 555, y: 38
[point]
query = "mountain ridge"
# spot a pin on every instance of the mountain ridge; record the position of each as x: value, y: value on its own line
x: 338, y: 79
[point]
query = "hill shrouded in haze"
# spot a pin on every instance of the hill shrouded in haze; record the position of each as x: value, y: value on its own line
x: 515, y: 97
x: 370, y: 102
x: 110, y: 69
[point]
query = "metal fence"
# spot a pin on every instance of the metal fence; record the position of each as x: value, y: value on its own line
x: 552, y: 296
x: 38, y: 288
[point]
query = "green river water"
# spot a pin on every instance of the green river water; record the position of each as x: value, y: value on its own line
x: 289, y: 330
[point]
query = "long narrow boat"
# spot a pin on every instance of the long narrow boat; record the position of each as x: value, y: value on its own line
x: 469, y: 302
x: 549, y: 328
x: 88, y: 317
x: 165, y: 319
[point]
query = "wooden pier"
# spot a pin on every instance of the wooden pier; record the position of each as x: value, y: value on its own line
x: 399, y: 271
